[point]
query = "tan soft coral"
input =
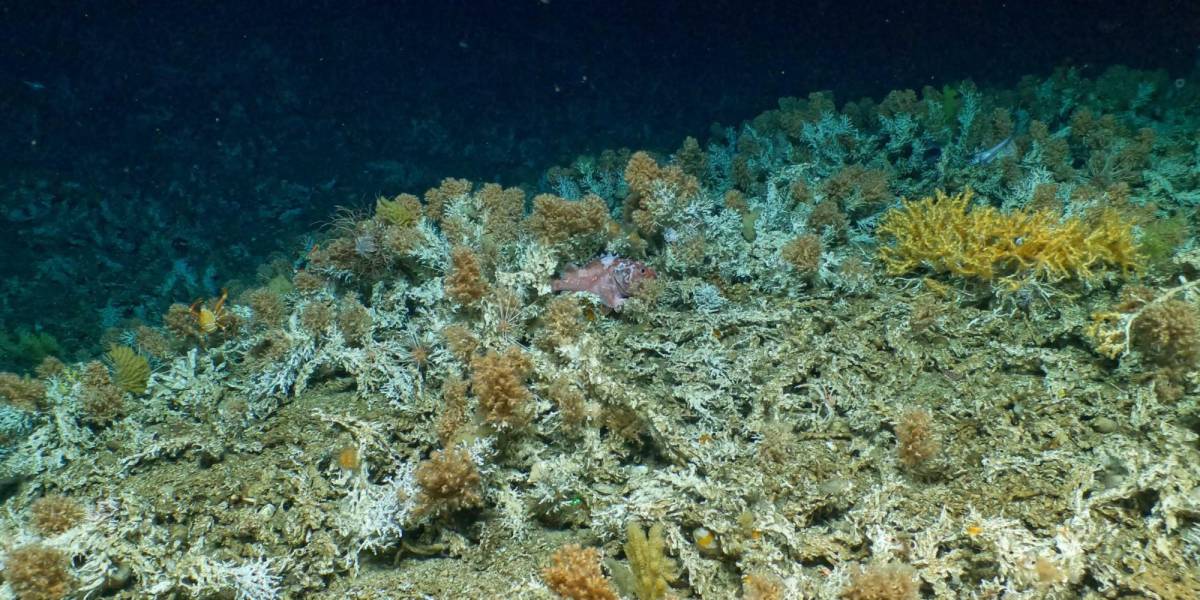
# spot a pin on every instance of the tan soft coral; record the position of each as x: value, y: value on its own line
x: 498, y: 380
x: 660, y: 194
x: 557, y: 220
x: 892, y: 581
x: 464, y: 282
x: 448, y: 482
x: 575, y: 574
x: 37, y: 572
x: 436, y: 199
x: 503, y: 209
x: 24, y: 393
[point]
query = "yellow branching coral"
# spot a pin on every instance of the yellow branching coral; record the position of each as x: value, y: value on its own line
x: 402, y: 211
x: 946, y: 234
x: 131, y: 371
x: 650, y: 569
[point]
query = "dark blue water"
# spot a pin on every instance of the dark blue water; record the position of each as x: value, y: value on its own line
x: 151, y: 152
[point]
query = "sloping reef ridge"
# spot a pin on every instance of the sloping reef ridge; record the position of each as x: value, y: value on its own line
x: 941, y: 344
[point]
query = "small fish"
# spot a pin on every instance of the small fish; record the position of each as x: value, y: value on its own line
x: 36, y: 86
x: 984, y: 157
x: 610, y: 278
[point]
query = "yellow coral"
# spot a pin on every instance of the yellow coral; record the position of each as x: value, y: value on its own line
x: 402, y: 211
x: 131, y: 371
x: 946, y: 234
x: 649, y: 566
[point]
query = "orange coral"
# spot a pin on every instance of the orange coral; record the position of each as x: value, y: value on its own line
x: 661, y: 192
x: 947, y: 235
x: 449, y: 481
x: 575, y: 575
x: 24, y: 393
x: 437, y: 198
x: 498, y: 381
x: 37, y: 572
x: 555, y: 220
x: 464, y: 281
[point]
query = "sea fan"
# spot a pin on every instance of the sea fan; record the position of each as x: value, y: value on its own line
x: 131, y: 371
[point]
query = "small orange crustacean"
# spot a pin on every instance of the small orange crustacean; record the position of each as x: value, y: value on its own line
x: 209, y: 320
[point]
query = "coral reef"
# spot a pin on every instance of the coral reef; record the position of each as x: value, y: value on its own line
x: 824, y: 392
